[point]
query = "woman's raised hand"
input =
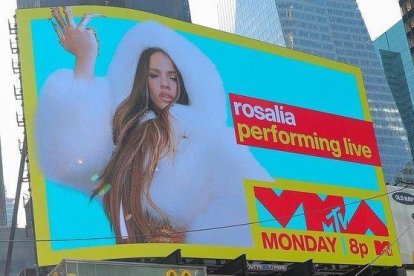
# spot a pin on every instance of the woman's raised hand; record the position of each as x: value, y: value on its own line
x: 78, y: 40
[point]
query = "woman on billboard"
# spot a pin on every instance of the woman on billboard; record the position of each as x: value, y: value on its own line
x: 153, y: 130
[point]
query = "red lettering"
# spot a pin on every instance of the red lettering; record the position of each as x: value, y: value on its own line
x: 316, y: 210
x: 298, y: 242
x: 248, y: 112
x: 331, y: 243
x: 322, y: 245
x: 285, y: 237
x: 365, y: 219
x: 310, y: 242
x: 313, y: 205
x: 272, y: 202
x: 269, y: 242
x: 304, y: 243
x: 380, y: 246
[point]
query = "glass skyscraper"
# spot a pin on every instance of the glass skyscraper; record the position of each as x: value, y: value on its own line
x: 394, y: 71
x: 395, y: 40
x: 333, y: 29
x: 392, y: 47
x: 267, y: 25
x: 177, y: 9
x: 408, y: 19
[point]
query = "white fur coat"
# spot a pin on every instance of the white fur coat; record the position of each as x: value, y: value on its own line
x: 201, y: 185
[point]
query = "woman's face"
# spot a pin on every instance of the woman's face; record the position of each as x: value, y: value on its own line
x: 162, y: 80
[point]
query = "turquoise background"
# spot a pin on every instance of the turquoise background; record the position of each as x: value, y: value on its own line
x: 244, y: 71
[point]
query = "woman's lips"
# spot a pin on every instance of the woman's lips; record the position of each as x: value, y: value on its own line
x: 165, y: 97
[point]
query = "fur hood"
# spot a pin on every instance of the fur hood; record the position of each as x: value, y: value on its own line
x: 74, y: 118
x: 201, y: 78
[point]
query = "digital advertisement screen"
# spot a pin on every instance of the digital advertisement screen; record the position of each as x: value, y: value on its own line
x: 402, y: 207
x: 148, y: 134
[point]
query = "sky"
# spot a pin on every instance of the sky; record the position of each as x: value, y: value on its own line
x: 379, y: 15
x: 9, y: 132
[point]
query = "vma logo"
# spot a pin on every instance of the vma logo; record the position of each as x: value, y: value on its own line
x: 338, y: 220
x: 382, y: 248
x: 321, y: 212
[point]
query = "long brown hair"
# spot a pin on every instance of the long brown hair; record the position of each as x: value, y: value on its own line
x: 140, y: 144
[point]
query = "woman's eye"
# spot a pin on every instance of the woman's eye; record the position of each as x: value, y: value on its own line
x: 173, y: 78
x: 153, y: 76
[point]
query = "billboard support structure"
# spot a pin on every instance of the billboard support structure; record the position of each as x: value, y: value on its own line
x: 16, y: 209
x: 305, y: 269
x: 237, y: 266
x: 173, y: 259
x: 392, y: 271
x: 366, y: 272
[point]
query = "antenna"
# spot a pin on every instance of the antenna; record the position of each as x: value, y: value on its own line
x: 24, y: 175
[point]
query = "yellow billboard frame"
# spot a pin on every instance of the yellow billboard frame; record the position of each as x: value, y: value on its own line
x: 47, y: 256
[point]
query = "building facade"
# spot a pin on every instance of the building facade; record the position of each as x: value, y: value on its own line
x: 395, y: 40
x: 265, y: 27
x: 393, y: 50
x: 177, y: 9
x: 9, y: 210
x: 334, y: 29
x: 3, y: 212
x: 408, y: 21
x: 23, y: 251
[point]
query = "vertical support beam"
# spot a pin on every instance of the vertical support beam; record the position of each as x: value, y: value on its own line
x: 237, y: 266
x: 173, y: 259
x: 304, y: 269
x: 16, y: 209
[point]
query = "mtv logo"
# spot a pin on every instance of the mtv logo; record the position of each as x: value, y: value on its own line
x: 382, y: 248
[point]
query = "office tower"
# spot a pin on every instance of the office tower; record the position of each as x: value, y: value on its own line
x: 265, y: 27
x: 392, y: 47
x: 177, y: 9
x: 3, y: 213
x: 408, y: 21
x: 9, y: 210
x: 334, y: 29
x: 395, y: 40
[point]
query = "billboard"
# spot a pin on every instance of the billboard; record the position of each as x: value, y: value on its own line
x: 402, y: 206
x: 147, y: 134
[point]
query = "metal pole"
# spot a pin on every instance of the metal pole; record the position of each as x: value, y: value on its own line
x: 15, y: 209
